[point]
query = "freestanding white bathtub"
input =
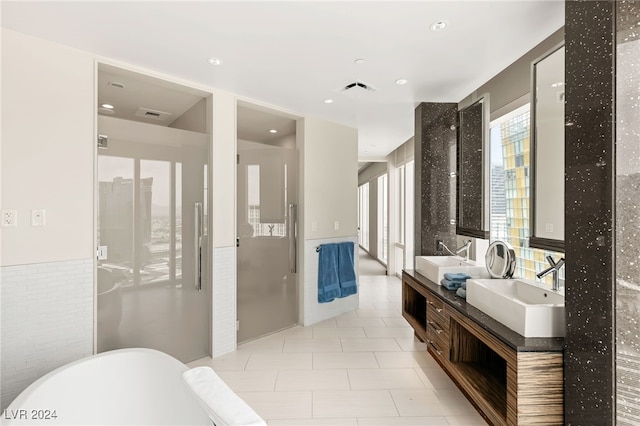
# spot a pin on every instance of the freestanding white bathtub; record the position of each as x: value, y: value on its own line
x: 121, y: 387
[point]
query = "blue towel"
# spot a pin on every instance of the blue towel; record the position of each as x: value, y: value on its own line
x: 461, y: 292
x: 457, y: 277
x: 328, y: 280
x: 450, y: 285
x: 346, y: 270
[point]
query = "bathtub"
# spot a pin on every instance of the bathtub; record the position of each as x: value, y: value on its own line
x: 121, y: 387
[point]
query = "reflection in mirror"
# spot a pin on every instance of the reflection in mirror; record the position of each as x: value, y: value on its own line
x: 472, y: 214
x: 500, y: 260
x: 547, y: 144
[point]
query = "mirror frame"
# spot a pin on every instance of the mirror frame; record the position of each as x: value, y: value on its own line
x: 534, y: 240
x: 485, y: 214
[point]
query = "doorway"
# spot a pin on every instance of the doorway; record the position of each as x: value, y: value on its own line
x: 153, y: 286
x: 267, y: 222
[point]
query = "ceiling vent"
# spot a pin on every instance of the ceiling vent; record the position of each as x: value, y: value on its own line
x: 153, y: 114
x: 357, y: 90
x: 358, y: 85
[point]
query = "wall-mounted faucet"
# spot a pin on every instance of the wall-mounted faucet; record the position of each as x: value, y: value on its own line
x: 465, y: 248
x: 553, y: 269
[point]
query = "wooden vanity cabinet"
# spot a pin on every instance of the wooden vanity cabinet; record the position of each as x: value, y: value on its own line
x: 520, y: 385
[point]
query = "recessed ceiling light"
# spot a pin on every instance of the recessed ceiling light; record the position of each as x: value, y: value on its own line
x: 328, y: 101
x: 439, y: 25
x: 558, y: 84
x: 273, y: 131
x: 107, y: 106
x: 215, y: 61
x: 359, y: 61
x: 116, y: 84
x: 401, y: 81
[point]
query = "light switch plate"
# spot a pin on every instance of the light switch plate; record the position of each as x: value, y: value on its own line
x: 38, y: 217
x: 101, y: 253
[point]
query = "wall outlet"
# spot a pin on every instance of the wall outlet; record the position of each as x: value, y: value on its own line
x: 439, y: 245
x: 9, y: 218
x: 336, y: 225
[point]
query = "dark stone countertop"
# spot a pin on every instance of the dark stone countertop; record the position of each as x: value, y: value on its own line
x: 497, y: 329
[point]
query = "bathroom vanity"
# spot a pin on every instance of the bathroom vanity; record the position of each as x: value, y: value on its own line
x: 510, y: 379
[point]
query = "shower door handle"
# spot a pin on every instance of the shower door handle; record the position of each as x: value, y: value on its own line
x: 197, y: 238
x: 293, y: 238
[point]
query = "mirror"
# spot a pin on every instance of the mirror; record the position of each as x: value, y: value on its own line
x: 547, y: 151
x: 472, y: 213
x: 500, y: 260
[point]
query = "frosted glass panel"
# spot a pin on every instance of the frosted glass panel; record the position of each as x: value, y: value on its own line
x: 147, y: 294
x: 267, y: 296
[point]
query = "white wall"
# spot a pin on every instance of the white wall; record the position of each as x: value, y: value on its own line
x: 329, y: 169
x: 47, y: 162
x: 46, y: 272
x: 47, y: 149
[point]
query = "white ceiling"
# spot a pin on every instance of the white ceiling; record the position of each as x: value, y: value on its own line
x: 295, y: 54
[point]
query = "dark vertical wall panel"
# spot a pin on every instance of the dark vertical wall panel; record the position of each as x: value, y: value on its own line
x: 589, y: 212
x: 435, y: 154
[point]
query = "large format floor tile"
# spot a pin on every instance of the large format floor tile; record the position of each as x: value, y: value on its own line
x: 362, y: 368
x: 353, y: 403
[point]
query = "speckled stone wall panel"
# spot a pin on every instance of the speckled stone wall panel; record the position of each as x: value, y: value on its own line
x: 589, y: 236
x: 627, y: 213
x: 435, y: 154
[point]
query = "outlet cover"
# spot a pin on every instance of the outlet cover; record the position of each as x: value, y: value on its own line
x: 9, y: 218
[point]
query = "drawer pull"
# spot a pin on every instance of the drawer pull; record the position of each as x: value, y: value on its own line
x: 436, y: 329
x: 433, y: 346
x: 434, y: 307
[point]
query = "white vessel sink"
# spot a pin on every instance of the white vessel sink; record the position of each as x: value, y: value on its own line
x: 524, y: 306
x: 434, y: 267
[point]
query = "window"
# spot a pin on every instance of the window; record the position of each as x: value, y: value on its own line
x: 363, y: 215
x: 383, y: 218
x: 510, y: 187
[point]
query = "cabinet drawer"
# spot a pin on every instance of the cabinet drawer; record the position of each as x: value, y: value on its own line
x: 437, y: 314
x: 436, y: 329
x: 435, y: 304
x: 437, y: 348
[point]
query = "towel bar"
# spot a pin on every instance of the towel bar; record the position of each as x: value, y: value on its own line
x: 318, y: 247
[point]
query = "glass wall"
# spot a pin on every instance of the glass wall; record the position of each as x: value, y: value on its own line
x: 363, y: 215
x: 383, y: 218
x: 510, y: 189
x: 404, y: 218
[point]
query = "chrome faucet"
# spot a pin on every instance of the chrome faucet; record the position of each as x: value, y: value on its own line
x: 553, y: 269
x: 465, y: 248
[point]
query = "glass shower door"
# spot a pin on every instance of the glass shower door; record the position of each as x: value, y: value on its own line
x: 152, y: 216
x: 266, y: 268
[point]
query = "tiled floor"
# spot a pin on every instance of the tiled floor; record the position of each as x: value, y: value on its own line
x: 361, y: 368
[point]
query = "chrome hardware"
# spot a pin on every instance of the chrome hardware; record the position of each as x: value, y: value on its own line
x: 197, y: 237
x: 553, y: 269
x: 465, y: 248
x: 293, y: 238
